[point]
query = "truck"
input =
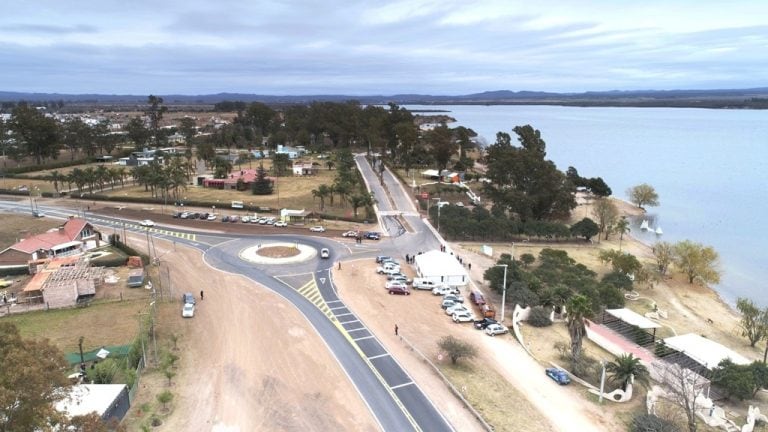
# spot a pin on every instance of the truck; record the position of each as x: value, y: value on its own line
x: 425, y: 284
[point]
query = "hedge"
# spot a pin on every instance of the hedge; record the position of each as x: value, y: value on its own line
x: 14, y: 271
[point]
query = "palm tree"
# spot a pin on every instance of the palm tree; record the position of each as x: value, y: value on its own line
x: 579, y: 309
x: 622, y: 227
x: 624, y: 368
x: 321, y: 192
x: 56, y: 177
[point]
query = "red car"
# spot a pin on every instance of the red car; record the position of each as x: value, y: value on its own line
x: 399, y: 289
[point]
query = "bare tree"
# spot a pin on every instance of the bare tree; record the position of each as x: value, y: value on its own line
x: 683, y: 386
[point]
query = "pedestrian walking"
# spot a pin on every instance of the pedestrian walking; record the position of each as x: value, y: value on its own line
x: 339, y: 265
x: 469, y: 266
x: 202, y: 297
x: 407, y: 259
x: 396, y: 329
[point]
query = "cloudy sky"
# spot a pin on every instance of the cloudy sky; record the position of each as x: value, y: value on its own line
x: 379, y: 47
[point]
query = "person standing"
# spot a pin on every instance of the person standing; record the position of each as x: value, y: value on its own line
x: 202, y: 296
x: 396, y: 329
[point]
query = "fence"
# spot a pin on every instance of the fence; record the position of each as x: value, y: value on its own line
x: 135, y: 387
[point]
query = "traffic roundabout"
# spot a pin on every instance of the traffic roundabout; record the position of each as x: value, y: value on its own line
x: 278, y: 253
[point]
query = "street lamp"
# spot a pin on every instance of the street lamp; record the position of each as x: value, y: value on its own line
x: 438, y: 213
x: 504, y: 290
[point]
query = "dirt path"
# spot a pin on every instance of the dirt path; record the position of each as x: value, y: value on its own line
x: 250, y: 361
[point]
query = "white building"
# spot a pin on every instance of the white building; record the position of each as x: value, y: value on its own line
x: 441, y: 268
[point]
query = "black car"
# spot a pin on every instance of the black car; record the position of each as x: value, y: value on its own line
x: 483, y: 323
x: 373, y: 235
x: 176, y: 214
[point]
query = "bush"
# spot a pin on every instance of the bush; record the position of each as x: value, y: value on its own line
x: 650, y: 423
x: 539, y: 317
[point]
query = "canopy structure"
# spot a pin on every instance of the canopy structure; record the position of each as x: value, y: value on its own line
x: 706, y: 352
x: 633, y: 318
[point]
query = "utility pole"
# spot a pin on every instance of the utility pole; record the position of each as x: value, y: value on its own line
x: 504, y: 291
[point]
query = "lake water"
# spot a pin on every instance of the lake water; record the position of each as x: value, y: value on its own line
x: 709, y: 167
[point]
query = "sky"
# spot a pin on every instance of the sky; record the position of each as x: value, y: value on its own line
x: 446, y: 47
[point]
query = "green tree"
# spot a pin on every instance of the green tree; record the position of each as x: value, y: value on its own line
x: 77, y: 136
x: 104, y: 372
x: 440, y: 140
x: 607, y: 214
x: 155, y: 113
x: 754, y: 321
x: 188, y: 128
x: 56, y: 178
x: 624, y: 368
x: 741, y: 381
x: 221, y: 168
x: 32, y: 379
x: 643, y: 195
x: 35, y: 134
x: 137, y: 132
x: 262, y: 185
x: 622, y: 262
x: 697, y: 262
x: 361, y: 200
x: 664, y: 254
x: 527, y: 259
x: 280, y: 164
x: 456, y: 348
x: 579, y: 310
x: 165, y: 397
x: 622, y: 227
x: 322, y: 192
x: 586, y: 228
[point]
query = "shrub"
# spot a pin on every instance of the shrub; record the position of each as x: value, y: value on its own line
x: 650, y: 423
x: 539, y: 317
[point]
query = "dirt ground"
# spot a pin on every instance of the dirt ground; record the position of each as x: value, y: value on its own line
x: 249, y: 361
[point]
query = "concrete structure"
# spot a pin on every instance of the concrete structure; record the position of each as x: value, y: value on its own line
x: 108, y: 401
x: 292, y: 152
x: 304, y: 168
x: 62, y: 282
x: 293, y: 216
x: 73, y: 238
x: 441, y: 268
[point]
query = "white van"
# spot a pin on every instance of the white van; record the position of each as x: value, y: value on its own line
x: 425, y: 284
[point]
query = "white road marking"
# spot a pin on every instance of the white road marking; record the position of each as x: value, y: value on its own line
x: 378, y: 356
x: 402, y: 385
x: 364, y: 337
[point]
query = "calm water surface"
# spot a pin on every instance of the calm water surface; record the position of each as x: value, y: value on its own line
x: 709, y: 167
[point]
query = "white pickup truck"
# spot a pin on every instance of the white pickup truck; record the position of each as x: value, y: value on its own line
x: 424, y: 284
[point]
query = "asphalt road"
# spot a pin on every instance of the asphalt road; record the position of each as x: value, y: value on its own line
x: 393, y: 397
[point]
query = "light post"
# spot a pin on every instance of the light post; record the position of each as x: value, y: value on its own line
x: 504, y: 290
x: 438, y: 213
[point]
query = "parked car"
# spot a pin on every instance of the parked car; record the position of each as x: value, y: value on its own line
x: 444, y: 289
x: 245, y: 219
x: 391, y: 284
x: 234, y: 218
x: 349, y: 234
x: 382, y: 258
x: 455, y: 297
x: 188, y: 310
x: 147, y: 223
x: 281, y: 224
x: 212, y: 217
x: 188, y: 298
x: 495, y: 329
x: 483, y: 323
x: 325, y: 253
x: 317, y: 228
x: 477, y: 298
x: 184, y: 215
x: 456, y: 308
x: 463, y: 316
x: 271, y: 221
x: 399, y: 289
x: 387, y: 270
x: 559, y: 376
x: 390, y: 261
x: 372, y: 235
x: 225, y: 218
x: 447, y: 303
x: 176, y: 214
x: 203, y: 215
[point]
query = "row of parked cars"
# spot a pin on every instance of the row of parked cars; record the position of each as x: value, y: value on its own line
x: 397, y: 281
x: 369, y: 235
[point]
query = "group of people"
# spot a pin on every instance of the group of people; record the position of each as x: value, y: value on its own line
x: 458, y: 258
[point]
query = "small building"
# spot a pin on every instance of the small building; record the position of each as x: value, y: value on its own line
x: 441, y: 268
x: 104, y: 159
x: 136, y: 278
x: 72, y: 238
x: 62, y: 282
x: 293, y: 216
x: 108, y: 401
x: 248, y: 176
x: 292, y: 152
x: 304, y: 168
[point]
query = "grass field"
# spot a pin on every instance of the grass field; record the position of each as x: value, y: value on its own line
x: 14, y: 226
x: 14, y: 184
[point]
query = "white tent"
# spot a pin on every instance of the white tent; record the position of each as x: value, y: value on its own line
x: 87, y: 398
x: 441, y: 267
x: 706, y: 352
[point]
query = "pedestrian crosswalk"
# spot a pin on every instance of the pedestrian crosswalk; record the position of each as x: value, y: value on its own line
x: 137, y: 227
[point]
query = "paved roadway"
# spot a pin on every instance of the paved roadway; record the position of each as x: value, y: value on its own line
x: 395, y: 400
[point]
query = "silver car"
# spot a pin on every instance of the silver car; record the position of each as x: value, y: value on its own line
x: 188, y: 311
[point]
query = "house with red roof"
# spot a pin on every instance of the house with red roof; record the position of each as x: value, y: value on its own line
x: 74, y: 237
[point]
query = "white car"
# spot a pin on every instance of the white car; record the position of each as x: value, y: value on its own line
x: 349, y: 234
x: 455, y: 297
x: 387, y: 270
x: 443, y: 290
x: 212, y: 217
x: 456, y: 308
x: 147, y: 223
x: 392, y: 284
x: 280, y: 224
x: 317, y: 228
x: 188, y: 311
x: 463, y: 316
x: 325, y: 253
x: 495, y: 329
x: 245, y: 219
